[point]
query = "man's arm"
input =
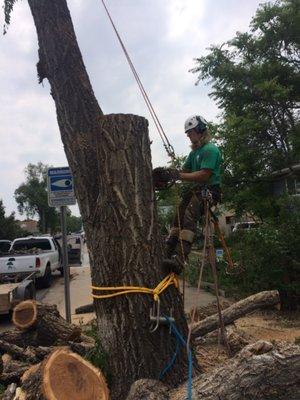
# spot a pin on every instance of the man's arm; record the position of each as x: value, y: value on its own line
x: 198, y: 176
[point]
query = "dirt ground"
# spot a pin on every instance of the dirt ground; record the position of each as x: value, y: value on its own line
x: 269, y: 325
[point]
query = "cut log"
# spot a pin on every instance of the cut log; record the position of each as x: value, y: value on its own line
x: 237, y: 310
x: 261, y: 371
x: 51, y: 328
x: 87, y: 308
x: 64, y: 375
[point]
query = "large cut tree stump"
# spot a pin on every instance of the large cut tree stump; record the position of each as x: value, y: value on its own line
x: 237, y: 310
x: 64, y: 375
x: 50, y: 327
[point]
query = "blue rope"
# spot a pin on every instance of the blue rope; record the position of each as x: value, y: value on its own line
x: 179, y: 340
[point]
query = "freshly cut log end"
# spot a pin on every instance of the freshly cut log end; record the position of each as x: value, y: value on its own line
x: 68, y: 376
x: 25, y: 314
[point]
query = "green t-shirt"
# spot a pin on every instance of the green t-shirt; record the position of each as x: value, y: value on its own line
x: 205, y: 157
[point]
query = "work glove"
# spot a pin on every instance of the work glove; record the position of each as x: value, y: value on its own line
x: 164, y: 177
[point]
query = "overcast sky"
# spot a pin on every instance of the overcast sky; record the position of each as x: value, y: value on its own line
x: 162, y: 36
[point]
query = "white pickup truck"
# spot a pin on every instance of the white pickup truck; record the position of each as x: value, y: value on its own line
x: 41, y: 255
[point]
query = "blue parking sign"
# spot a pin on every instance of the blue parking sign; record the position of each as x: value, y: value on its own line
x: 60, y: 187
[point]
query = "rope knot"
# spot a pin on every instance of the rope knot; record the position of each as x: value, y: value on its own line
x: 156, y: 295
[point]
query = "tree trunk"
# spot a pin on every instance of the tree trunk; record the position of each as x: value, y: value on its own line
x: 237, y: 310
x: 261, y: 371
x: 64, y: 375
x: 111, y: 163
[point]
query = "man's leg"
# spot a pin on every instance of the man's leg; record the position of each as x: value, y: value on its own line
x: 188, y: 228
x: 178, y: 254
x: 173, y: 238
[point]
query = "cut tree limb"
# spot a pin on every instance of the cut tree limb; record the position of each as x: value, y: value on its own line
x: 261, y: 371
x: 64, y: 375
x: 87, y: 308
x: 51, y: 328
x: 237, y: 310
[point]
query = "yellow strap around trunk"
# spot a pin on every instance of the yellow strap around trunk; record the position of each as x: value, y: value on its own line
x: 170, y: 279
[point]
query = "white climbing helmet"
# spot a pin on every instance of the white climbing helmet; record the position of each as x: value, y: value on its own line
x: 195, y: 122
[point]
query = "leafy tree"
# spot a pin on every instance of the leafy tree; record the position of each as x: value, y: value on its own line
x: 9, y: 228
x: 74, y: 224
x: 32, y: 197
x: 255, y: 81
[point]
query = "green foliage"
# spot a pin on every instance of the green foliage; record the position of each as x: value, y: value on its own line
x: 74, y: 224
x: 32, y: 197
x: 255, y: 81
x: 193, y: 269
x: 268, y: 257
x: 9, y: 228
x: 8, y: 7
x: 97, y: 356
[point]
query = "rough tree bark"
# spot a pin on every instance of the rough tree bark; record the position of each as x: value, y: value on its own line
x: 110, y: 159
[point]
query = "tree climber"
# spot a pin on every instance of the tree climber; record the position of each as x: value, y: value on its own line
x: 201, y: 170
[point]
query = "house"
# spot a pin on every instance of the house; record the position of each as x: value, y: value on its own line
x: 286, y: 181
x: 29, y: 225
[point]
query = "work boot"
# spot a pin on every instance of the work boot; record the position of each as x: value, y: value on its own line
x: 171, y: 244
x: 172, y: 264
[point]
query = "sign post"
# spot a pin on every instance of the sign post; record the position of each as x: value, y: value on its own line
x: 61, y: 194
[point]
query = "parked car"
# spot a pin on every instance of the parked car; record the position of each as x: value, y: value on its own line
x: 41, y: 255
x: 4, y: 246
x: 245, y: 226
x: 75, y: 243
